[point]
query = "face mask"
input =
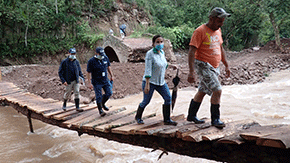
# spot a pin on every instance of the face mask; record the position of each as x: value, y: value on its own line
x: 99, y: 57
x: 159, y: 47
x: 72, y: 57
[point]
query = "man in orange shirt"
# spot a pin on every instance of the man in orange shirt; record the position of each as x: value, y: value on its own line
x: 205, y: 53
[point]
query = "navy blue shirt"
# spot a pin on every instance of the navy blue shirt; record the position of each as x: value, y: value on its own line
x: 70, y: 71
x: 98, y: 68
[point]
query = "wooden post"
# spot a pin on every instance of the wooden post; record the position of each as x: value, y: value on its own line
x: 0, y: 75
x: 29, y: 120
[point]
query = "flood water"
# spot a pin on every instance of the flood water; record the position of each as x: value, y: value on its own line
x: 266, y: 103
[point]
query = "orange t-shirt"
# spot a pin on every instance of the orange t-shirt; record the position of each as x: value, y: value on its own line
x: 208, y: 44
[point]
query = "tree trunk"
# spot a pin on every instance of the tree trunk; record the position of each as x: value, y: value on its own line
x: 276, y: 31
x: 26, y: 33
x: 56, y: 8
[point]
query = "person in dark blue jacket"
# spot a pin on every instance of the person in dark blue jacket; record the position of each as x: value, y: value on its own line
x: 71, y: 75
x: 98, y: 68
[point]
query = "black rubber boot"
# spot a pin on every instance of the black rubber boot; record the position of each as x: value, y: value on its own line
x: 215, y: 116
x: 77, y: 102
x: 64, y: 105
x: 166, y: 116
x: 139, y: 115
x: 102, y: 113
x: 193, y: 109
x: 104, y: 100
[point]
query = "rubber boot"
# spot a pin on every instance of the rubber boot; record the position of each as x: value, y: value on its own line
x: 193, y: 109
x: 102, y: 113
x: 64, y: 105
x: 166, y: 116
x: 215, y: 116
x: 104, y: 100
x: 139, y: 115
x: 77, y: 102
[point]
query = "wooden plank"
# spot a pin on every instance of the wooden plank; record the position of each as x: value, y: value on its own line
x: 261, y: 131
x: 183, y: 123
x: 96, y: 116
x: 106, y: 119
x: 88, y: 116
x: 232, y: 139
x: 31, y: 102
x: 11, y: 100
x: 72, y: 113
x: 125, y: 120
x: 84, y: 115
x: 40, y: 108
x: 168, y: 130
x: 131, y: 128
x: 271, y: 135
x: 11, y: 92
x: 191, y: 127
x: 279, y: 140
x: 196, y: 135
x: 235, y: 138
x: 230, y: 129
x: 25, y: 96
x: 57, y: 109
x: 7, y: 86
x: 158, y: 126
x: 52, y: 107
x: 101, y: 125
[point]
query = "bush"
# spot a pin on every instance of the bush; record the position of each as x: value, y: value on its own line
x: 179, y: 36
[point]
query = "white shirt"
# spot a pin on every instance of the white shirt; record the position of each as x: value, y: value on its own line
x: 155, y: 66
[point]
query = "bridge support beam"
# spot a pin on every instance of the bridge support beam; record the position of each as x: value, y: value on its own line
x: 29, y: 120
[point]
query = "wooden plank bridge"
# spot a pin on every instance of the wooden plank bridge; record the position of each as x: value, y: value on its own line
x: 239, y: 141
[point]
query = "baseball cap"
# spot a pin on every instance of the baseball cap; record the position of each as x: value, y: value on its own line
x: 72, y: 50
x: 100, y: 50
x: 219, y: 12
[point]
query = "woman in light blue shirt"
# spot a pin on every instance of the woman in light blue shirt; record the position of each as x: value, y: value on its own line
x: 153, y: 79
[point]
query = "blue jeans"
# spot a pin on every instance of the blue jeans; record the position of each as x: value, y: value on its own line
x: 162, y: 90
x: 107, y: 86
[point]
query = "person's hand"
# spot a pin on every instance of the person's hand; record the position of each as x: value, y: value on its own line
x: 191, y: 78
x: 146, y: 89
x: 91, y: 86
x: 65, y: 83
x: 112, y: 78
x: 228, y: 72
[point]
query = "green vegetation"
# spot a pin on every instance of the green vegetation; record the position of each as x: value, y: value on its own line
x: 33, y: 27
x: 252, y: 22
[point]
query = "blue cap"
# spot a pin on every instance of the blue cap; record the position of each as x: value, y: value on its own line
x: 72, y: 50
x: 100, y: 50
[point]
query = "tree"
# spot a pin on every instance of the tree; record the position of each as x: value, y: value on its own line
x: 278, y: 13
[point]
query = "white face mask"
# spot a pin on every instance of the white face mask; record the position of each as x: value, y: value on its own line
x: 72, y: 57
x: 99, y: 57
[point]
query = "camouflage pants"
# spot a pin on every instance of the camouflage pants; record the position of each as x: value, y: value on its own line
x: 208, y: 77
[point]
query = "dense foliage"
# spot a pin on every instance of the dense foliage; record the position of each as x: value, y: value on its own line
x: 250, y: 23
x: 31, y: 27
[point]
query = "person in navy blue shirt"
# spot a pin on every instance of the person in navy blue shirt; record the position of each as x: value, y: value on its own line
x: 70, y: 74
x: 97, y: 72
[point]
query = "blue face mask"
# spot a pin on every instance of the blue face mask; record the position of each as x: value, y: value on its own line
x: 159, y: 47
